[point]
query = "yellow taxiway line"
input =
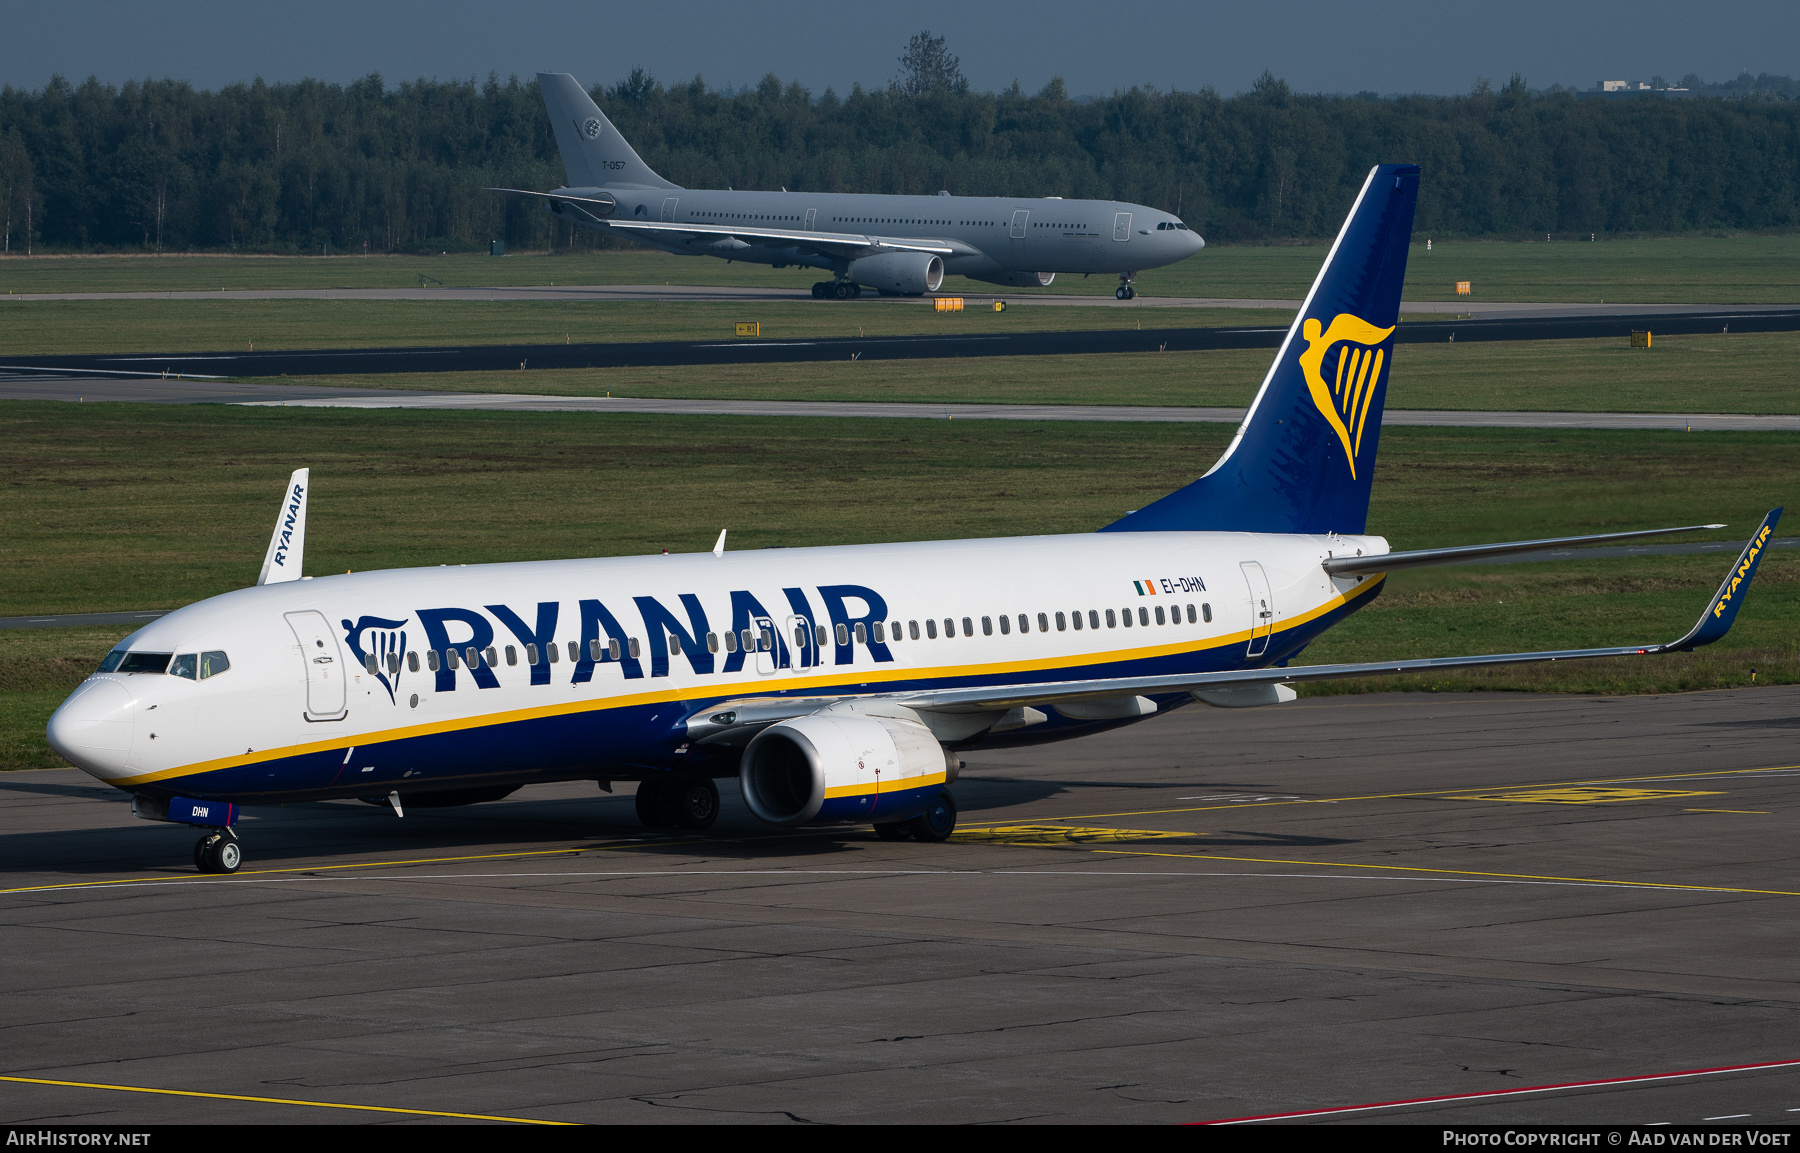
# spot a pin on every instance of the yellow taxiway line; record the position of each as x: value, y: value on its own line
x: 1454, y: 872
x: 282, y: 1101
x: 576, y: 850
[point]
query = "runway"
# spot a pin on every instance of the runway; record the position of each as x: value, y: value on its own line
x: 801, y: 293
x: 1214, y: 914
x: 618, y: 354
x: 47, y: 386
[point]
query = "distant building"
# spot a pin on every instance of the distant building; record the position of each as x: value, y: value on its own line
x: 1626, y: 89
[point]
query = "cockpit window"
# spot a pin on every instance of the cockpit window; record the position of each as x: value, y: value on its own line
x: 111, y: 663
x: 183, y: 666
x: 213, y: 663
x: 144, y: 663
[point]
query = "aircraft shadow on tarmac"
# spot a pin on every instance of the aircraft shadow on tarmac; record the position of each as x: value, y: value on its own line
x: 343, y: 831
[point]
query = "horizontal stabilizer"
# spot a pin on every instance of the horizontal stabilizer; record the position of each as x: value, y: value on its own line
x: 1394, y: 561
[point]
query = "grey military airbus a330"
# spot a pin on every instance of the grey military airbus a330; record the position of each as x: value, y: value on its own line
x: 898, y: 245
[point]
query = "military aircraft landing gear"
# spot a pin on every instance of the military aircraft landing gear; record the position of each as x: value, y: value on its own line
x: 836, y: 290
x: 690, y: 803
x: 218, y: 852
x: 1125, y: 290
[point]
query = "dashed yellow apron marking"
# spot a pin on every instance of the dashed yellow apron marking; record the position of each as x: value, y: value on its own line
x: 1456, y: 873
x: 1582, y: 796
x: 1056, y: 835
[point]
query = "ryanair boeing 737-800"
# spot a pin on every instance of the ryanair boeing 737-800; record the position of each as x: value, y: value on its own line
x: 899, y: 245
x: 838, y: 685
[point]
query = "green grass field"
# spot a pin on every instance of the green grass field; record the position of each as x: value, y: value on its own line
x: 1697, y: 269
x: 1744, y: 373
x: 159, y: 326
x: 113, y: 507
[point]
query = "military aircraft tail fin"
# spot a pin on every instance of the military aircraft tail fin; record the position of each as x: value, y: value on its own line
x: 1303, y: 457
x: 594, y: 155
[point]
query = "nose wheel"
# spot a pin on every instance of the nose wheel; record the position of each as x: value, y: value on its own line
x: 218, y: 852
x: 1125, y: 290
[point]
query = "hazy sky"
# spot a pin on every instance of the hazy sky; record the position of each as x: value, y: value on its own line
x: 1439, y: 46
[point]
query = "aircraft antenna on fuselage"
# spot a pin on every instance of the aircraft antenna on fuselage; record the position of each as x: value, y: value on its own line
x: 287, y: 545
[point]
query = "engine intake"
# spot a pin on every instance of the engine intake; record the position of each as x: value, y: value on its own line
x: 909, y: 273
x: 845, y: 769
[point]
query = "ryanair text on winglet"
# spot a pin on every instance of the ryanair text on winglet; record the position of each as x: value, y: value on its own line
x: 1744, y: 566
x: 287, y: 523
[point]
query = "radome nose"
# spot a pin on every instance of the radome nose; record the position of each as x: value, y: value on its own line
x: 93, y: 728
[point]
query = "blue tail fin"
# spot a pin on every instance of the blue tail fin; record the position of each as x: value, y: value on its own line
x: 1303, y: 458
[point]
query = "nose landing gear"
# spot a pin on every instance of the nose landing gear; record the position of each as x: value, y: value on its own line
x: 1125, y: 290
x: 218, y: 852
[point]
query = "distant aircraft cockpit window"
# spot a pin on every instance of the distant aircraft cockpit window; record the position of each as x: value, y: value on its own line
x: 215, y: 662
x: 185, y: 665
x: 144, y: 663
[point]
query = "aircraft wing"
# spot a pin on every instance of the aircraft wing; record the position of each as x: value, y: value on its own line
x: 1713, y: 624
x: 837, y: 243
x: 846, y: 244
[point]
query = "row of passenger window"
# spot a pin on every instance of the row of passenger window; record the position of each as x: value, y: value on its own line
x: 763, y: 640
x: 1145, y: 614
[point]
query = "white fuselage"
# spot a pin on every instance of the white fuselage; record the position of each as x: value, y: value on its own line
x: 299, y: 713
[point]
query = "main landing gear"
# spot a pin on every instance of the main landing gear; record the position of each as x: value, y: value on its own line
x: 218, y: 852
x: 931, y: 826
x: 1125, y: 290
x: 686, y: 802
x: 836, y: 290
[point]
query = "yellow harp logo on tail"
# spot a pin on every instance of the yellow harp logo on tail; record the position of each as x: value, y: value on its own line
x: 1344, y: 402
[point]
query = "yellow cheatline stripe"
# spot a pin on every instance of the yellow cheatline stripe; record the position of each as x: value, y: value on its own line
x: 1454, y: 872
x: 283, y: 1101
x: 872, y: 788
x: 1451, y: 793
x: 794, y: 684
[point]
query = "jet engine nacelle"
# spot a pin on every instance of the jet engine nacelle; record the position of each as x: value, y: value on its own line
x: 909, y: 273
x: 842, y: 769
x: 1018, y: 279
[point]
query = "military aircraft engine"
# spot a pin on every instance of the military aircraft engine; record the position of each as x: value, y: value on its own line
x: 908, y: 273
x: 842, y: 769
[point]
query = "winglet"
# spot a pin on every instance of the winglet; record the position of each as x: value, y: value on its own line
x: 1715, y: 622
x: 287, y: 545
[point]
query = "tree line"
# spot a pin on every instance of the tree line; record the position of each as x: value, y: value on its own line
x: 316, y: 167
